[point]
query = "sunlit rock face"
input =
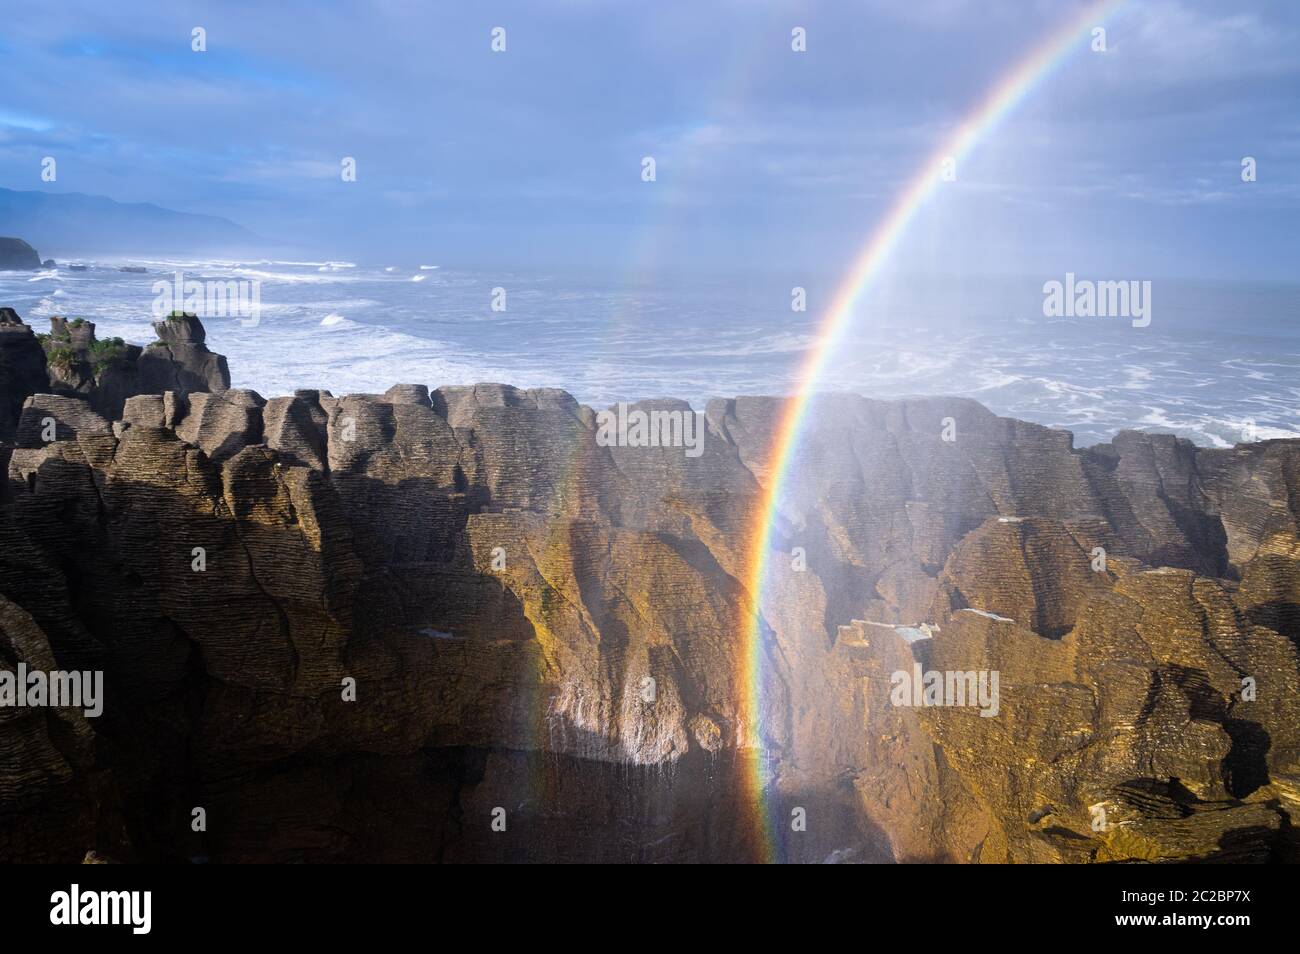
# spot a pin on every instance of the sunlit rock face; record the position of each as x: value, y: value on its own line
x: 454, y: 624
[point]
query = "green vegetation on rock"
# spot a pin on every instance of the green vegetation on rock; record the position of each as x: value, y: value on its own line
x: 103, y: 353
x: 62, y: 358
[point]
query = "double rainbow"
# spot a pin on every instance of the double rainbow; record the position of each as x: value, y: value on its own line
x: 1000, y: 101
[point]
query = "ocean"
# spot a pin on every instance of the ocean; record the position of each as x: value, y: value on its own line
x: 1219, y: 362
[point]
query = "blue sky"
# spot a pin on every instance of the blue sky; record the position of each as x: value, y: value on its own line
x: 1127, y: 161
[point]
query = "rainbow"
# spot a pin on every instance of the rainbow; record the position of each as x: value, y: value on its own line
x: 1000, y: 101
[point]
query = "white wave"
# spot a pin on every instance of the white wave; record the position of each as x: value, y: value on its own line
x: 276, y: 261
x: 351, y: 359
x: 1156, y: 417
x: 992, y: 380
x: 334, y: 319
x: 1137, y: 378
x: 429, y: 268
x: 417, y: 278
x: 188, y: 264
x: 288, y: 278
x: 783, y: 343
x: 1062, y: 388
x: 1275, y: 433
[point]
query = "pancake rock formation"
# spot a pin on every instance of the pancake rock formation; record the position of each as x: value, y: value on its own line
x: 453, y: 625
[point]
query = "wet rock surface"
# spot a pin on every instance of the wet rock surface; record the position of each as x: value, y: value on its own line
x: 381, y: 627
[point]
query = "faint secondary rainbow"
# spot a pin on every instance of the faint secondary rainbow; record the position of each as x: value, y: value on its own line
x: 1003, y: 98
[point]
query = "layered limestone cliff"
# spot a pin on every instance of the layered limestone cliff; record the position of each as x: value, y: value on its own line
x: 451, y: 625
x: 106, y: 373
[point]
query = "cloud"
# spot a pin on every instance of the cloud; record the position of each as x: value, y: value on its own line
x: 757, y: 146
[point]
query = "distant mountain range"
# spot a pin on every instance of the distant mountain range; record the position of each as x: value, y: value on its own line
x: 64, y: 224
